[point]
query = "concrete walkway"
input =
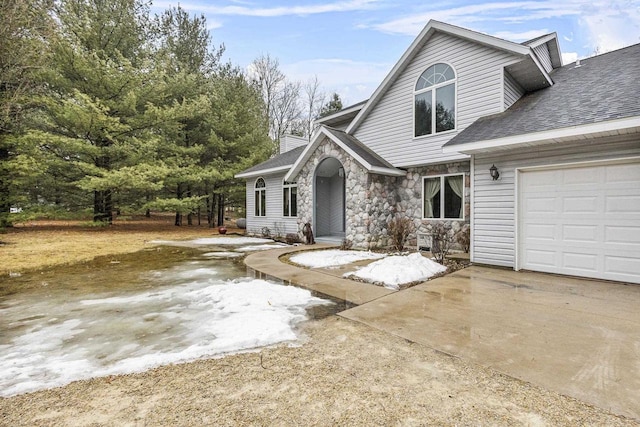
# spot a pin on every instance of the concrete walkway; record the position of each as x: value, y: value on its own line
x: 326, y: 282
x: 578, y: 337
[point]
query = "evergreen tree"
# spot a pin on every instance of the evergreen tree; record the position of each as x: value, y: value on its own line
x: 101, y: 83
x: 333, y: 106
x: 25, y: 27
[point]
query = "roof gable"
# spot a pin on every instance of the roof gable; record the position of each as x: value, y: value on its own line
x: 580, y: 102
x: 280, y: 163
x: 530, y: 61
x: 363, y: 155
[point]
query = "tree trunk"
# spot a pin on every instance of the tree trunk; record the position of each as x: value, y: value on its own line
x: 190, y: 214
x: 102, y: 203
x: 148, y: 211
x: 178, y: 221
x: 98, y: 205
x: 210, y: 211
x: 220, y: 210
x: 5, y: 194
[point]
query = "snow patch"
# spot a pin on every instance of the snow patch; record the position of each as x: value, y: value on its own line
x: 222, y: 254
x: 332, y: 258
x: 397, y: 270
x: 261, y: 247
x: 123, y: 333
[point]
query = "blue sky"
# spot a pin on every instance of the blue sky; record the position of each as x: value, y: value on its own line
x: 352, y: 44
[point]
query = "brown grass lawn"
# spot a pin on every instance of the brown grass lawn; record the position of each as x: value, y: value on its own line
x: 39, y: 244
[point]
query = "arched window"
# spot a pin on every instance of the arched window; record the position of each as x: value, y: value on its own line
x: 261, y: 197
x: 435, y: 87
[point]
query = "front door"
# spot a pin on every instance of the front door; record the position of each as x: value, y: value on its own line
x: 329, y: 210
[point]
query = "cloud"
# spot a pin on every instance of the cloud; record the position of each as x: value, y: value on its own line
x: 521, y: 36
x: 613, y: 27
x: 569, y: 57
x: 469, y: 14
x: 244, y: 9
x: 609, y: 24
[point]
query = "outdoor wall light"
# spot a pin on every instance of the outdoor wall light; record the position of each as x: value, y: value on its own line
x: 341, y: 172
x: 493, y: 171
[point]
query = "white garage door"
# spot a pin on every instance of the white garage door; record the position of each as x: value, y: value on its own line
x: 582, y: 221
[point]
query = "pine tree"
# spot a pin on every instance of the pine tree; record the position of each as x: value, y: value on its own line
x: 25, y: 27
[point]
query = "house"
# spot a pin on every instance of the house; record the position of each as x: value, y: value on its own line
x: 541, y: 160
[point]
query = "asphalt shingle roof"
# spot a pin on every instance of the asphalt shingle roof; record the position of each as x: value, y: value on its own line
x: 360, y: 149
x: 285, y: 159
x: 604, y: 87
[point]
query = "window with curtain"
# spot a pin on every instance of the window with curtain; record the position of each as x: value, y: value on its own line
x: 260, y: 197
x: 443, y: 197
x: 290, y: 198
x: 435, y: 101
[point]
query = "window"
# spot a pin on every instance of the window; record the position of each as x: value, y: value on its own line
x: 261, y: 197
x: 290, y: 198
x: 436, y: 86
x: 443, y: 197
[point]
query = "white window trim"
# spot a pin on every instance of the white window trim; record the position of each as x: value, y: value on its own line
x: 288, y: 186
x: 258, y: 200
x: 442, y: 177
x: 415, y: 92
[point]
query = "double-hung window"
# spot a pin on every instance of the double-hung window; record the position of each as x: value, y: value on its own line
x: 260, y: 197
x: 443, y: 197
x: 290, y: 198
x: 435, y: 101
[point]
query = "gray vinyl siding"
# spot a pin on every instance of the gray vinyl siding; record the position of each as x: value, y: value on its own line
x: 388, y: 129
x: 494, y: 215
x: 512, y: 90
x: 274, y: 220
x: 542, y: 52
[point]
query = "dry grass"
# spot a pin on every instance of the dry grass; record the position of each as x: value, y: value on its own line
x: 39, y: 244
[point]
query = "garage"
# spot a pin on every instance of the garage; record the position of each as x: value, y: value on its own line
x: 581, y: 220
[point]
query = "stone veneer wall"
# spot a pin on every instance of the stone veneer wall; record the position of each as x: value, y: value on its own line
x: 373, y: 200
x: 355, y: 182
x: 410, y: 197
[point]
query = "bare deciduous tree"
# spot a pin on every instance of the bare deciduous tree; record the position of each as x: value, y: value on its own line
x: 314, y: 101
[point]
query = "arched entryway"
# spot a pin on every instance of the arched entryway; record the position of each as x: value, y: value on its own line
x: 329, y: 200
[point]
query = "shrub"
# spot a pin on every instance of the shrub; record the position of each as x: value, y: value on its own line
x: 346, y: 244
x: 464, y: 238
x: 292, y: 238
x: 399, y: 229
x: 266, y: 233
x: 442, y: 240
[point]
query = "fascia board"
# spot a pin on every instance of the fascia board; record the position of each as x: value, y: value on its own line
x: 263, y: 172
x: 339, y: 113
x: 304, y: 156
x: 545, y: 136
x: 387, y: 171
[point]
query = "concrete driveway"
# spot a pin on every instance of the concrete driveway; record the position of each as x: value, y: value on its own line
x: 575, y: 336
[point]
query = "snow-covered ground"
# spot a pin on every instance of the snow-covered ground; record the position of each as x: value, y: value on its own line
x: 332, y: 258
x: 193, y: 310
x: 397, y: 270
x: 238, y: 246
x: 390, y: 271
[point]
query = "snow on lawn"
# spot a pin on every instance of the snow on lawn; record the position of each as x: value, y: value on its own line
x: 222, y: 254
x: 200, y: 315
x: 332, y: 258
x: 264, y: 247
x: 396, y: 270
